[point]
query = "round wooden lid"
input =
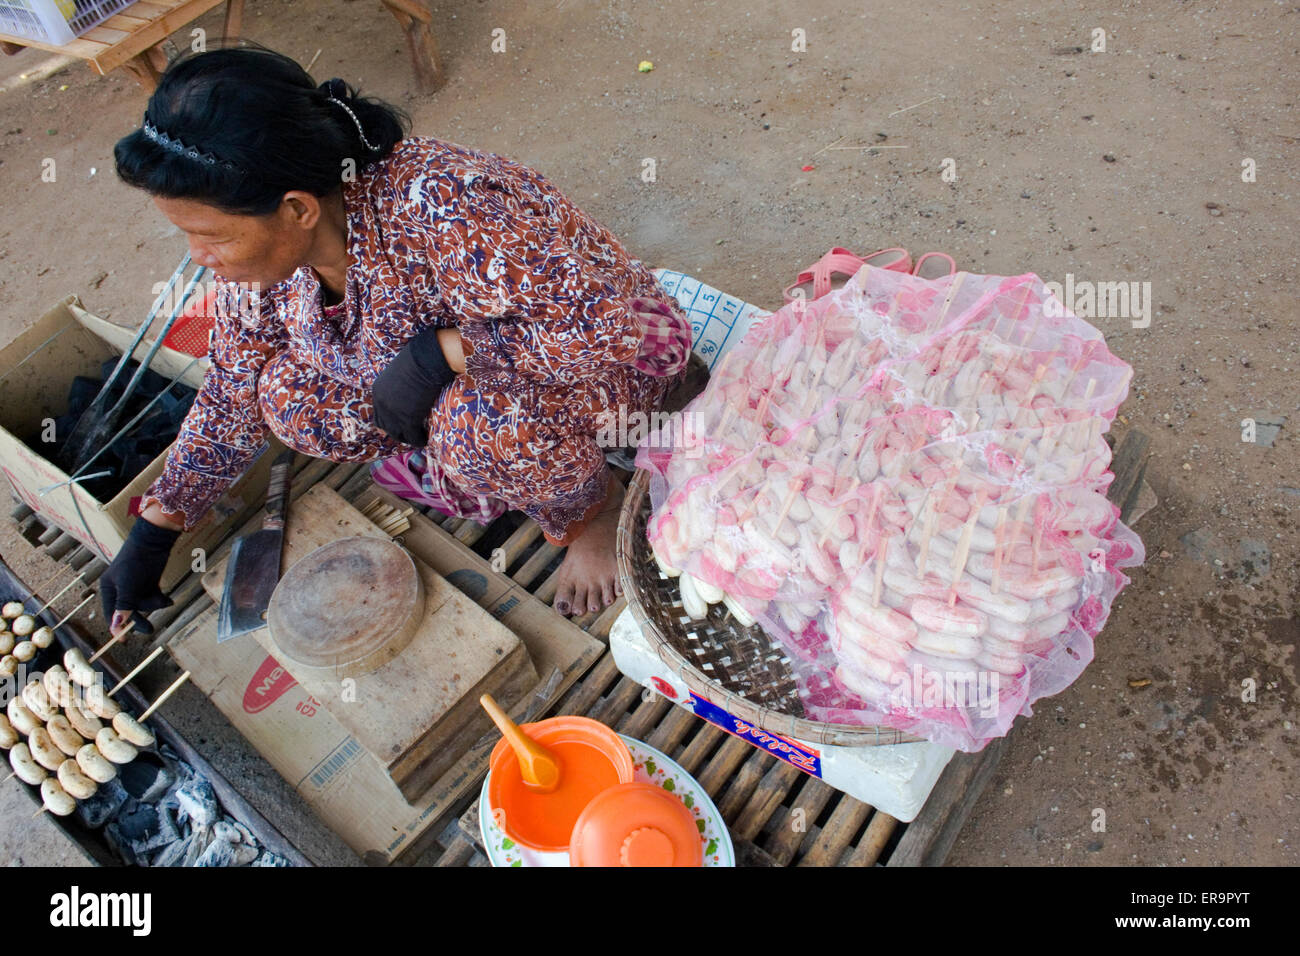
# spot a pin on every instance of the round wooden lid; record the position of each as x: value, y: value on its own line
x: 347, y: 608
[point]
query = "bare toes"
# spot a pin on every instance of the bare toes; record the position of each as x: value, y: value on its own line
x: 607, y: 592
x: 579, y: 602
x: 564, y: 598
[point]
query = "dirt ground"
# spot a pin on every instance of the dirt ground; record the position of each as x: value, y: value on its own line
x: 1122, y: 165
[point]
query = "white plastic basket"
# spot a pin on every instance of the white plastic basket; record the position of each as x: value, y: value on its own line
x: 55, y: 21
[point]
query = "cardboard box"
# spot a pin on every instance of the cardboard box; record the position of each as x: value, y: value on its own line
x: 36, y: 370
x: 420, y: 709
x: 344, y: 784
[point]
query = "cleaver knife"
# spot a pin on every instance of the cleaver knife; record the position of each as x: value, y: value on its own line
x: 254, y: 566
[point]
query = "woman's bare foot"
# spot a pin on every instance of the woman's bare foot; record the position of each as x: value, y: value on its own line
x: 588, y: 576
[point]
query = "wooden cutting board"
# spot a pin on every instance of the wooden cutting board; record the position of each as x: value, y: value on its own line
x: 413, y: 711
x: 346, y: 609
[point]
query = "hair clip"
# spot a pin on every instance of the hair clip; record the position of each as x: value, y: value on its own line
x: 360, y: 132
x: 180, y: 149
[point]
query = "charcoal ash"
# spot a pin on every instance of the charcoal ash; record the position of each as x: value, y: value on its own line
x: 136, y: 822
x: 103, y: 805
x: 225, y: 853
x: 270, y: 859
x: 183, y: 852
x: 198, y: 802
x: 181, y: 824
x: 146, y: 778
x: 226, y: 831
x: 166, y: 833
x: 123, y: 848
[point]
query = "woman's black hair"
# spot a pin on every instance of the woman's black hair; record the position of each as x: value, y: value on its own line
x: 237, y: 128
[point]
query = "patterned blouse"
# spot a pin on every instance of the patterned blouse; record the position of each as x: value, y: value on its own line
x: 439, y: 235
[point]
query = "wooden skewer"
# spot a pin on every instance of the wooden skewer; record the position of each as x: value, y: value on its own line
x: 947, y: 302
x: 997, y: 549
x: 728, y: 412
x: 809, y: 437
x: 163, y: 699
x: 938, y: 506
x: 1016, y: 522
x: 862, y: 443
x: 1024, y: 448
x: 1038, y: 381
x: 796, y: 487
x: 395, y: 517
x: 1048, y: 443
x: 973, y: 402
x: 819, y: 343
x: 1088, y: 439
x: 871, y: 518
x: 1038, y: 540
x: 722, y: 366
x: 115, y: 639
x: 39, y: 812
x: 67, y: 617
x: 762, y: 409
x: 1034, y: 330
x: 755, y: 492
x: 135, y: 670
x: 963, y: 546
x: 931, y: 517
x: 1087, y: 392
x: 112, y: 641
x: 1084, y: 358
x: 1094, y: 433
x: 882, y: 552
x: 853, y: 486
x: 59, y: 595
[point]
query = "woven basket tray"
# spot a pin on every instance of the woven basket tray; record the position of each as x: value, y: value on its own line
x: 738, y: 668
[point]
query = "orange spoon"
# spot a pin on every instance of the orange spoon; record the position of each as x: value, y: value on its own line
x: 537, y: 765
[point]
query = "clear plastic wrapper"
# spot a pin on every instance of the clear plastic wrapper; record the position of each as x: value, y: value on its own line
x: 904, y: 483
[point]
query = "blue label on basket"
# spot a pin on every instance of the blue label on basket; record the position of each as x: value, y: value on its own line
x: 799, y: 755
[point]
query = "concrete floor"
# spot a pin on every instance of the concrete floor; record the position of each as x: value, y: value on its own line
x: 1117, y: 165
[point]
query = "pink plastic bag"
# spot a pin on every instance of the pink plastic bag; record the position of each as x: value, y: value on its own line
x: 904, y: 483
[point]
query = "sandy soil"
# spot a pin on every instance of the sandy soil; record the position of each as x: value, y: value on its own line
x: 1123, y: 165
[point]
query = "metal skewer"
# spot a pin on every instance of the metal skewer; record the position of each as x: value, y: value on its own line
x: 79, y: 438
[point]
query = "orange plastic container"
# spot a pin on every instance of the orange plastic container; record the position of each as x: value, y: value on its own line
x: 592, y: 759
x: 635, y: 824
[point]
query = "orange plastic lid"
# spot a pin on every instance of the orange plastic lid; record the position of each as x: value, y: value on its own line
x: 635, y: 824
x: 592, y: 758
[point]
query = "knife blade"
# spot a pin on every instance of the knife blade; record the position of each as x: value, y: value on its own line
x: 254, y: 566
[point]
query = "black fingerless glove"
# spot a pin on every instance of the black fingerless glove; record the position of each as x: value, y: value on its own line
x: 407, y: 389
x: 131, y: 582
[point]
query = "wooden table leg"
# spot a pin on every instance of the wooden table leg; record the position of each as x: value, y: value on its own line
x: 143, y: 70
x: 234, y: 19
x: 157, y: 58
x: 414, y: 18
